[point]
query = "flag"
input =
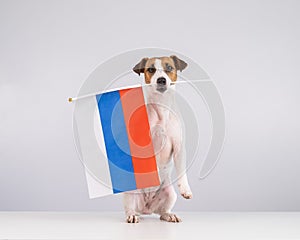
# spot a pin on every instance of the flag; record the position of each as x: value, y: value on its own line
x: 118, y: 146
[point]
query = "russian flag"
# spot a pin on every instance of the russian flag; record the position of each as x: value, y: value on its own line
x: 122, y: 134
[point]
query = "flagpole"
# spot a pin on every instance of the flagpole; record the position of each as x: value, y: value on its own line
x: 72, y: 99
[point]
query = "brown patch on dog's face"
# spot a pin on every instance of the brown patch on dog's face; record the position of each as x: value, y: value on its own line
x: 169, y: 68
x: 167, y: 65
x: 170, y: 65
x: 149, y: 70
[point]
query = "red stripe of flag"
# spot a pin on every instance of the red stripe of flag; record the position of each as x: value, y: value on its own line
x: 139, y: 137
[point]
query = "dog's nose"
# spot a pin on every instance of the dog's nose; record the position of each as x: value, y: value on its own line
x: 161, y: 81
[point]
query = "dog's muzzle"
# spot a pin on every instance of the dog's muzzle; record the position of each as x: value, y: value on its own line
x: 161, y: 84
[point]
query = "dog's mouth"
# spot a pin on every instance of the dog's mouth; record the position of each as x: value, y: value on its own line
x: 161, y: 89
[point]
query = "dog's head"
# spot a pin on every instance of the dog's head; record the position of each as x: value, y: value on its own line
x: 161, y: 72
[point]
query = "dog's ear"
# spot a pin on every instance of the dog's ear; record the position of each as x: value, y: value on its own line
x: 140, y: 67
x: 179, y: 64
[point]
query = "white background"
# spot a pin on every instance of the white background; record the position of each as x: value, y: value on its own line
x: 250, y: 49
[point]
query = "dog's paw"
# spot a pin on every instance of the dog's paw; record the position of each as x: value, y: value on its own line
x: 132, y: 219
x: 185, y: 191
x: 187, y: 194
x: 170, y: 217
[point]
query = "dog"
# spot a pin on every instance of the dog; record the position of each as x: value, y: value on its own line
x: 160, y: 75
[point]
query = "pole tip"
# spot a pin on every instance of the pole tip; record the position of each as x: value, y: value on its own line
x: 70, y: 99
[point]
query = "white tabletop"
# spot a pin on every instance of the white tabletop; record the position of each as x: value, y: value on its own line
x: 97, y: 225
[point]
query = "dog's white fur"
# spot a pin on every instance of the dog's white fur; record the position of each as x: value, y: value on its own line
x: 167, y: 139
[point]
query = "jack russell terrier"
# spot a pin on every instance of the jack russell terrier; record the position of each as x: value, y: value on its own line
x: 161, y: 74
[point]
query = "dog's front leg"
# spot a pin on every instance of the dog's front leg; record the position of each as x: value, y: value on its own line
x: 129, y: 201
x: 180, y: 166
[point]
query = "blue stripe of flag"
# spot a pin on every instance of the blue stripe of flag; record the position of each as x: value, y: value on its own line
x: 114, y: 130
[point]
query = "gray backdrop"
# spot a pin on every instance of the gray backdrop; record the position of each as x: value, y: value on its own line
x: 249, y: 48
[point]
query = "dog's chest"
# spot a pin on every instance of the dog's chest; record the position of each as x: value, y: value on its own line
x: 164, y: 134
x: 163, y: 148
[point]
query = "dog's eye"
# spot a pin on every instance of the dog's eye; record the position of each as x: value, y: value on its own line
x: 169, y: 68
x: 151, y: 70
